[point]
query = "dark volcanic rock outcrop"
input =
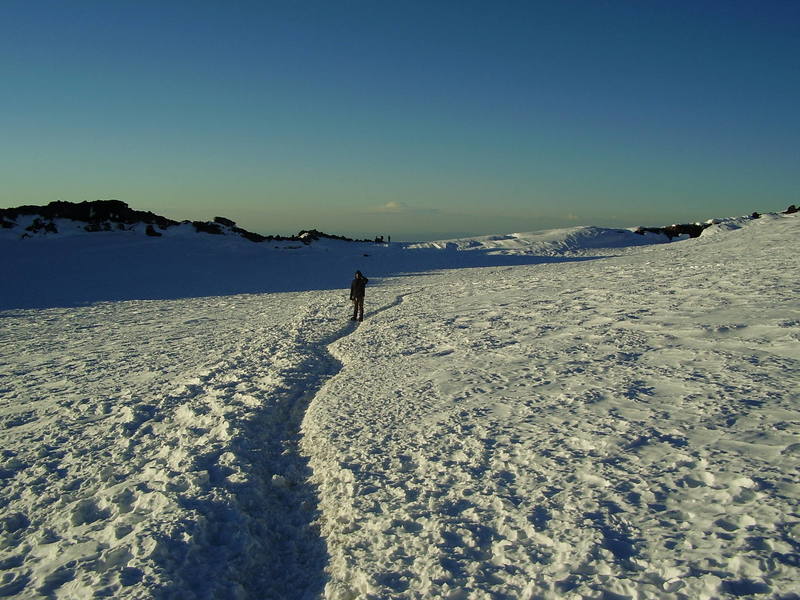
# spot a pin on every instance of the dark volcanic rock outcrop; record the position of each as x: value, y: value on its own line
x: 691, y: 229
x: 224, y: 221
x: 313, y: 235
x: 694, y: 229
x: 212, y: 228
x: 113, y: 215
x: 95, y: 212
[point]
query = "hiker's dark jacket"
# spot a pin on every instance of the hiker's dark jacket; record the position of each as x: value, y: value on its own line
x: 357, y: 287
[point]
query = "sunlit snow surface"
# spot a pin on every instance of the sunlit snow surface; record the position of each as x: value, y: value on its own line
x: 565, y: 421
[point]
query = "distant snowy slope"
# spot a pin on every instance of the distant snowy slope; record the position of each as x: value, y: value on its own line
x: 75, y: 267
x: 550, y: 242
x: 71, y: 254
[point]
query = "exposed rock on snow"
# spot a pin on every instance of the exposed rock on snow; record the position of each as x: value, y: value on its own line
x: 693, y: 230
x: 112, y: 215
x: 224, y: 221
x: 93, y: 213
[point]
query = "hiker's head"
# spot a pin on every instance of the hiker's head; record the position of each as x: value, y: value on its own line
x: 358, y: 275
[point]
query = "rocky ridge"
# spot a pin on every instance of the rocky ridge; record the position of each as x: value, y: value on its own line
x: 694, y: 230
x: 115, y: 215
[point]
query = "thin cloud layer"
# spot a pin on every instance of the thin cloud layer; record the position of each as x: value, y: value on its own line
x: 401, y: 208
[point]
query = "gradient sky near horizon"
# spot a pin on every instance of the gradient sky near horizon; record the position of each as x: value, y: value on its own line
x: 417, y: 120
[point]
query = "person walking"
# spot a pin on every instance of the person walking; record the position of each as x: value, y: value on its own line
x: 357, y: 290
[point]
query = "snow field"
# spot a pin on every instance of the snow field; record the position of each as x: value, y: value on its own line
x: 612, y: 423
x: 625, y: 427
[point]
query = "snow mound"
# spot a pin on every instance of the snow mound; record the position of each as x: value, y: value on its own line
x: 549, y: 242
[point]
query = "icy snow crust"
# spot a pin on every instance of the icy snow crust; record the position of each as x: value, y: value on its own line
x: 609, y: 423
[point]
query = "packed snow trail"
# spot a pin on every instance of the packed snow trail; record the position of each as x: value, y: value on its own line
x: 156, y: 455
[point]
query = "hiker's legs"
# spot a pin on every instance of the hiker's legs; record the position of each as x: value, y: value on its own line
x: 359, y: 308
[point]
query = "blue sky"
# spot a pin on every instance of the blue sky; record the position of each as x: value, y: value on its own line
x: 410, y: 119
